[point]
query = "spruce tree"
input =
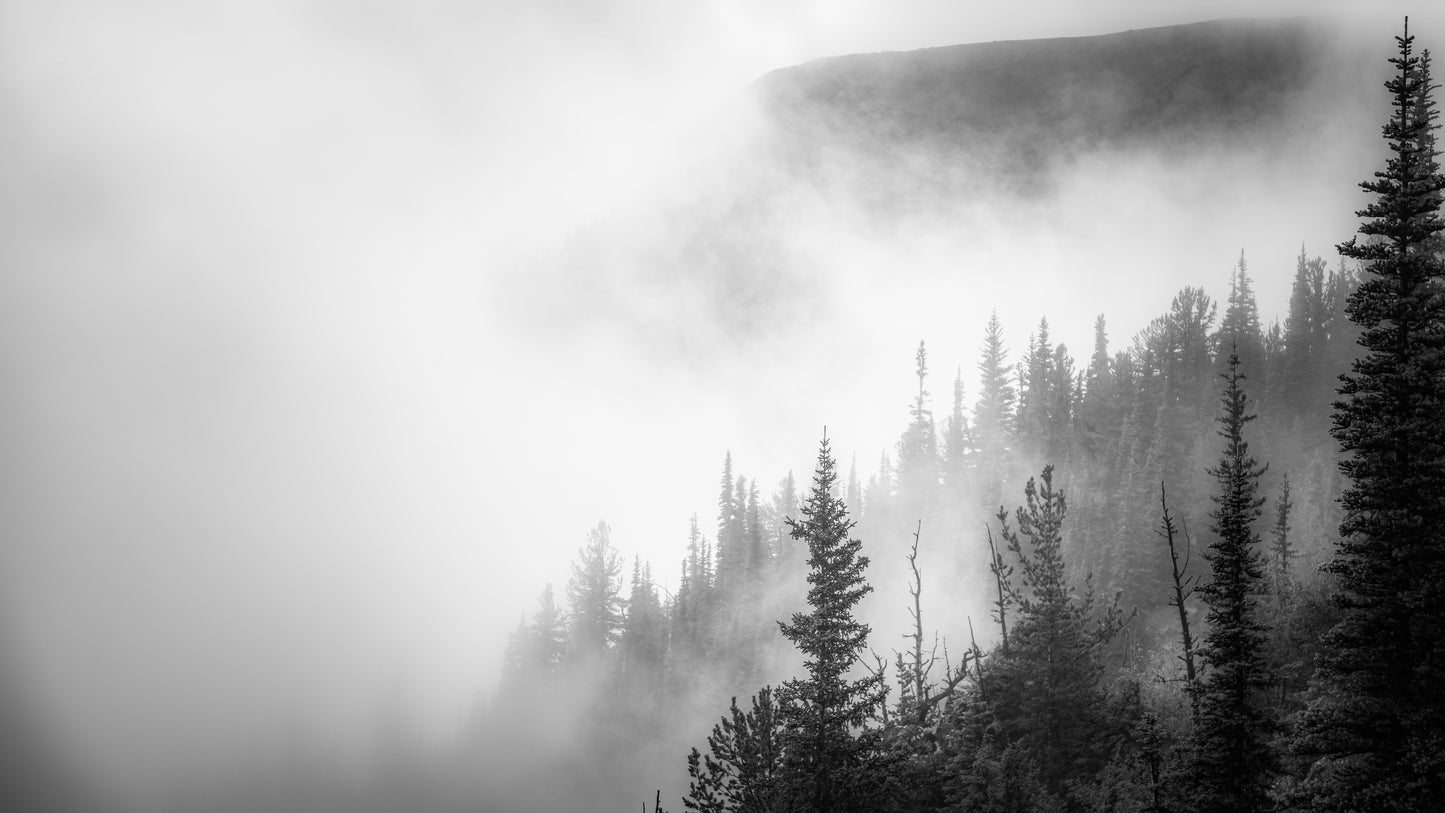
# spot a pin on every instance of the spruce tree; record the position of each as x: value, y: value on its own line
x: 1240, y: 329
x: 1233, y: 764
x: 742, y: 770
x: 1281, y: 549
x: 993, y: 412
x: 1044, y: 689
x: 1375, y: 725
x: 547, y: 635
x: 918, y: 468
x: 823, y: 711
x: 594, y: 594
x: 956, y: 443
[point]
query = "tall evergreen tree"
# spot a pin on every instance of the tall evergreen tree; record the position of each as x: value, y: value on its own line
x: 956, y: 442
x: 731, y: 545
x: 1240, y: 329
x: 1302, y: 361
x: 918, y: 450
x: 547, y: 634
x: 1234, y: 765
x: 992, y: 415
x: 594, y: 595
x: 644, y: 634
x: 822, y: 711
x: 1044, y: 689
x: 1036, y: 381
x: 1098, y: 416
x: 1281, y: 549
x: 1376, y: 722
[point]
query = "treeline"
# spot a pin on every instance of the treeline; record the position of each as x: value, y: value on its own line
x: 1222, y: 586
x: 615, y: 661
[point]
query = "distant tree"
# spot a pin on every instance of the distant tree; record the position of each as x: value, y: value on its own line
x: 692, y: 610
x: 1233, y: 762
x: 1036, y: 392
x: 824, y: 760
x: 919, y: 445
x: 1098, y: 410
x: 1281, y: 551
x: 1240, y: 329
x: 1375, y: 724
x: 918, y: 464
x: 854, y: 493
x: 993, y: 413
x: 594, y: 594
x: 759, y: 557
x: 731, y: 544
x: 547, y: 634
x: 1304, y: 384
x: 1183, y: 347
x: 644, y: 635
x: 956, y: 442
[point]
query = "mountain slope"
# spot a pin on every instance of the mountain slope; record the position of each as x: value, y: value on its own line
x: 862, y: 167
x: 1026, y: 103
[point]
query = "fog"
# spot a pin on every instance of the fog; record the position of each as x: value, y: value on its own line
x: 328, y: 330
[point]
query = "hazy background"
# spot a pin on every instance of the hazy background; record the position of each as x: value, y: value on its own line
x: 291, y: 435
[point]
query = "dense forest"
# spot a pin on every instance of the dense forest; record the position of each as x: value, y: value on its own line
x: 1202, y: 571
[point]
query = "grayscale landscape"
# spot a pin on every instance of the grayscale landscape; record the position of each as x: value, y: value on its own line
x: 444, y: 406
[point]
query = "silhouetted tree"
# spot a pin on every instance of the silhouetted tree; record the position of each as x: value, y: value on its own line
x: 1376, y: 722
x: 742, y: 770
x: 1233, y: 764
x: 824, y: 760
x: 594, y: 595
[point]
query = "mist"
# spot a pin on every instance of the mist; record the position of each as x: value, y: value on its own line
x: 329, y: 329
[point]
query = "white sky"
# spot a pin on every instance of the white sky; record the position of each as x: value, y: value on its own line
x: 266, y: 450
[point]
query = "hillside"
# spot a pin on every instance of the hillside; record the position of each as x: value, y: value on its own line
x: 1013, y: 108
x: 859, y: 160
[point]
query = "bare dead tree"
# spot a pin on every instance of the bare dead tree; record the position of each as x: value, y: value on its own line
x: 977, y: 653
x: 1183, y: 589
x: 1001, y: 573
x: 918, y: 672
x: 917, y: 695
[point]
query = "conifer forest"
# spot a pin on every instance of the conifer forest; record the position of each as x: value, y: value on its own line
x: 1213, y: 562
x: 1196, y: 566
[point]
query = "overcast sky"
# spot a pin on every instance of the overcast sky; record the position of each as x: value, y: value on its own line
x: 264, y: 434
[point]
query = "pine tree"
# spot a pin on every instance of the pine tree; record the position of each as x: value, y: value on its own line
x: 822, y: 711
x: 594, y: 594
x: 956, y: 442
x: 1036, y: 400
x: 1097, y: 412
x: 1303, y: 385
x: 1375, y: 725
x: 1233, y: 762
x: 918, y: 450
x: 1044, y: 690
x: 1240, y: 328
x: 993, y: 412
x: 1281, y: 551
x: 742, y: 770
x: 644, y: 636
x: 731, y: 546
x: 547, y: 634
